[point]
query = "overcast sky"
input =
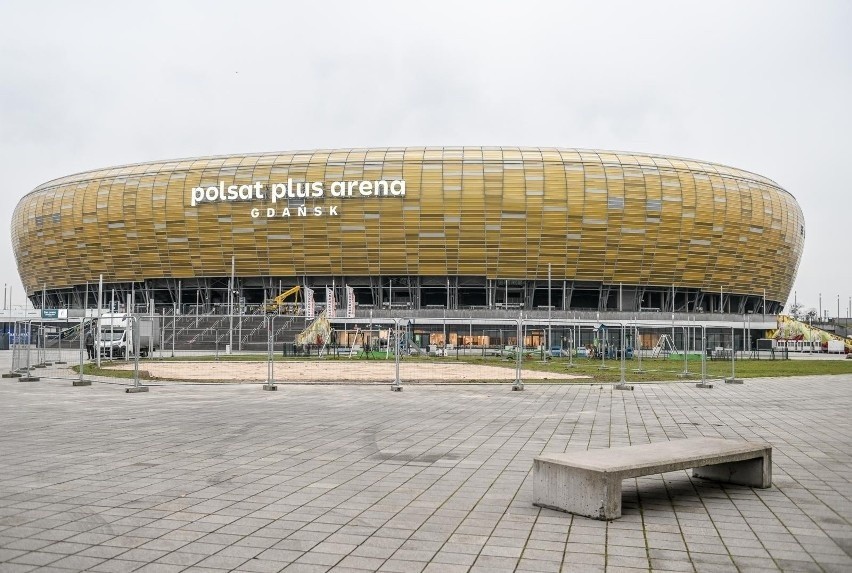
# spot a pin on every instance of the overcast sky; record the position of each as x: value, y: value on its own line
x: 764, y: 86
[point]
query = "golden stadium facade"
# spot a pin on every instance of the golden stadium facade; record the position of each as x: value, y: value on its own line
x: 476, y: 227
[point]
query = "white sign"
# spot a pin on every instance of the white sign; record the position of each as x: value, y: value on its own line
x: 350, y: 302
x: 330, y: 303
x: 309, y: 303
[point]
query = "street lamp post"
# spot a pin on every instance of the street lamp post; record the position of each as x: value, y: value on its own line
x: 733, y: 379
x: 231, y: 308
x: 174, y: 326
x: 549, y: 308
x: 749, y: 330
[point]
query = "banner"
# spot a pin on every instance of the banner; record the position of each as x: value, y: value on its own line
x: 310, y: 310
x: 350, y: 302
x: 330, y: 303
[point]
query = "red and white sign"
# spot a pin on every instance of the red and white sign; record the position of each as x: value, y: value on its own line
x: 330, y: 303
x: 350, y: 302
x: 310, y: 309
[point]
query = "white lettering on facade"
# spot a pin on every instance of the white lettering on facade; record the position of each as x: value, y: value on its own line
x: 285, y: 192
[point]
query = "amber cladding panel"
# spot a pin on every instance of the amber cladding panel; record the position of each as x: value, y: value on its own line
x: 499, y: 213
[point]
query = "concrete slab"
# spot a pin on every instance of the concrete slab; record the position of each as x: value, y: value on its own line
x: 136, y: 389
x: 588, y: 482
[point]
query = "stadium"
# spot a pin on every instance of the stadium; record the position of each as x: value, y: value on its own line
x: 414, y: 229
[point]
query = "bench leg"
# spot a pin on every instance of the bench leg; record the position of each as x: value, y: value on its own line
x: 591, y: 494
x: 756, y: 472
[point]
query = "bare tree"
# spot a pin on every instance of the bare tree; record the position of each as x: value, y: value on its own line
x: 795, y: 310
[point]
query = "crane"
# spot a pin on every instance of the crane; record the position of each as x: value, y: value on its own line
x: 276, y: 303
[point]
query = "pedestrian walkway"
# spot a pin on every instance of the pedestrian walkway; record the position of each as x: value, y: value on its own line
x: 436, y: 478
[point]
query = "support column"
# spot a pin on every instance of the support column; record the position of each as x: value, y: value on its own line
x: 573, y: 490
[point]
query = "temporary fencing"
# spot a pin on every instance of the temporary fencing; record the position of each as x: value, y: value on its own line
x: 272, y: 350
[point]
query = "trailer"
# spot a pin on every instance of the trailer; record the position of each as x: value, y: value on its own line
x: 797, y: 345
x: 836, y: 347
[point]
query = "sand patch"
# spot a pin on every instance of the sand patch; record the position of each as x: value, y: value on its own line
x: 343, y: 371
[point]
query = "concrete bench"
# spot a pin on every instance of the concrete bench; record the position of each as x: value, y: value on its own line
x: 589, y: 482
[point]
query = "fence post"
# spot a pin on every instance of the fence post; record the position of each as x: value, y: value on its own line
x: 16, y: 354
x: 733, y: 379
x: 81, y: 363
x: 28, y: 377
x: 685, y: 373
x: 397, y: 383
x: 622, y: 384
x: 637, y: 345
x: 704, y: 383
x: 59, y: 348
x: 571, y: 345
x: 519, y: 355
x: 44, y: 356
x: 269, y: 322
x: 134, y: 325
x: 16, y: 351
x: 39, y: 358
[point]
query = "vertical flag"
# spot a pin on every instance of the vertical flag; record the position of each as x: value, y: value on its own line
x: 350, y: 302
x: 309, y: 303
x: 330, y: 303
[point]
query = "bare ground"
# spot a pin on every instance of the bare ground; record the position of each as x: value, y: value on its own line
x: 337, y: 371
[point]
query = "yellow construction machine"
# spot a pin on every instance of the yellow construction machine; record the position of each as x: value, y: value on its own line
x: 281, y: 305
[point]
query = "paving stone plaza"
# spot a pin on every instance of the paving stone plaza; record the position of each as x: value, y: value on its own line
x: 434, y: 478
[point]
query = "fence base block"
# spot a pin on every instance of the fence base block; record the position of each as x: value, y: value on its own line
x: 395, y: 388
x: 135, y: 389
x: 59, y: 362
x: 29, y: 379
x: 704, y: 385
x: 271, y: 387
x: 11, y: 375
x: 733, y: 380
x: 81, y: 383
x: 622, y: 386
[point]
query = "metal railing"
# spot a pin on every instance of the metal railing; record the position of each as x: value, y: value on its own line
x: 399, y: 352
